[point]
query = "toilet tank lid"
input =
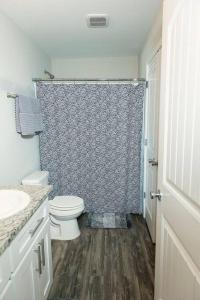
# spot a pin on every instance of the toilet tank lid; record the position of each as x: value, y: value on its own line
x: 35, y: 177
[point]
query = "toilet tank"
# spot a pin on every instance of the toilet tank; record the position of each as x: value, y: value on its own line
x: 36, y: 178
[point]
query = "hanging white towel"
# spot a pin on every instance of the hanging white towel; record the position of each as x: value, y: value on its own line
x: 28, y: 115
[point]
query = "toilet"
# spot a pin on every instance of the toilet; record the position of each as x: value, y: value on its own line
x: 63, y: 210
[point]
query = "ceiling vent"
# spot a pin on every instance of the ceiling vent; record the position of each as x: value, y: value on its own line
x: 97, y: 20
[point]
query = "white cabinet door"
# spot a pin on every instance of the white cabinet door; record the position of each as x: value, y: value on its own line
x: 31, y: 261
x: 151, y: 155
x: 8, y: 293
x: 25, y: 278
x: 5, y: 269
x: 33, y: 277
x: 45, y: 277
x: 178, y: 222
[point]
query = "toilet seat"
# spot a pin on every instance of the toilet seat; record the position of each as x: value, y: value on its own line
x: 66, y: 203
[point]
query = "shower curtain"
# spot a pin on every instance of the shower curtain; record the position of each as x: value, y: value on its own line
x: 91, y: 143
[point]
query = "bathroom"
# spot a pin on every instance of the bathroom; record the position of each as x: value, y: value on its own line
x: 99, y: 155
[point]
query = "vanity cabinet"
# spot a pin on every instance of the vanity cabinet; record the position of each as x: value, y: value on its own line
x: 30, y: 261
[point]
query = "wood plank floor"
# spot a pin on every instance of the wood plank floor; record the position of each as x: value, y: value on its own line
x: 105, y: 264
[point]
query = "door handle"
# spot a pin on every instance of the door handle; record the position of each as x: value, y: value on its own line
x: 43, y: 252
x: 38, y: 251
x: 157, y: 195
x: 33, y: 231
x: 153, y: 162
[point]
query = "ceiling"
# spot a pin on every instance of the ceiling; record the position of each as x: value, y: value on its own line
x: 59, y: 26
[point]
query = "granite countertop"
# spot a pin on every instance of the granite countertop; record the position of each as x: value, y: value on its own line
x: 11, y: 226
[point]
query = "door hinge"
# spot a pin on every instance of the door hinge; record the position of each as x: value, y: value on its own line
x: 145, y: 142
x: 147, y: 84
x: 144, y: 195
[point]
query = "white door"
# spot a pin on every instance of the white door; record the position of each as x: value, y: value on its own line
x: 151, y: 151
x: 178, y: 212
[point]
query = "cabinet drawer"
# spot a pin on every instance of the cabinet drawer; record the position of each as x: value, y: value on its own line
x: 5, y: 269
x: 26, y: 237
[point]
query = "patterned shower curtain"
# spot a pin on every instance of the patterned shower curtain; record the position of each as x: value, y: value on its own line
x: 91, y: 143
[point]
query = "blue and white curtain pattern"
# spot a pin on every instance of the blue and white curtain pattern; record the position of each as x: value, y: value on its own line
x: 91, y: 143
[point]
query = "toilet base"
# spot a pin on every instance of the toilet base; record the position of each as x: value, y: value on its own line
x: 64, y: 230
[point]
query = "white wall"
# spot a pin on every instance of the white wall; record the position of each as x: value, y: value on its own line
x: 20, y: 60
x: 101, y: 67
x: 153, y: 40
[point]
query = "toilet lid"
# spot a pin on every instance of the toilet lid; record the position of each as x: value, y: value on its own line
x: 66, y: 202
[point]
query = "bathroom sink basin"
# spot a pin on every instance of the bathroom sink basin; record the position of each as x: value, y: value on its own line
x: 11, y: 202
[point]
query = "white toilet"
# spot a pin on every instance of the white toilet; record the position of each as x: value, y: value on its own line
x: 64, y: 210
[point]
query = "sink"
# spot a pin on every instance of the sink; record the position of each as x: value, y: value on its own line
x: 12, y: 201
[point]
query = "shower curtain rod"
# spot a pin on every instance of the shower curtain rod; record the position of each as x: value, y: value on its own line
x: 89, y: 79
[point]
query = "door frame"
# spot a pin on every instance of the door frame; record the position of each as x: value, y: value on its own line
x: 157, y: 48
